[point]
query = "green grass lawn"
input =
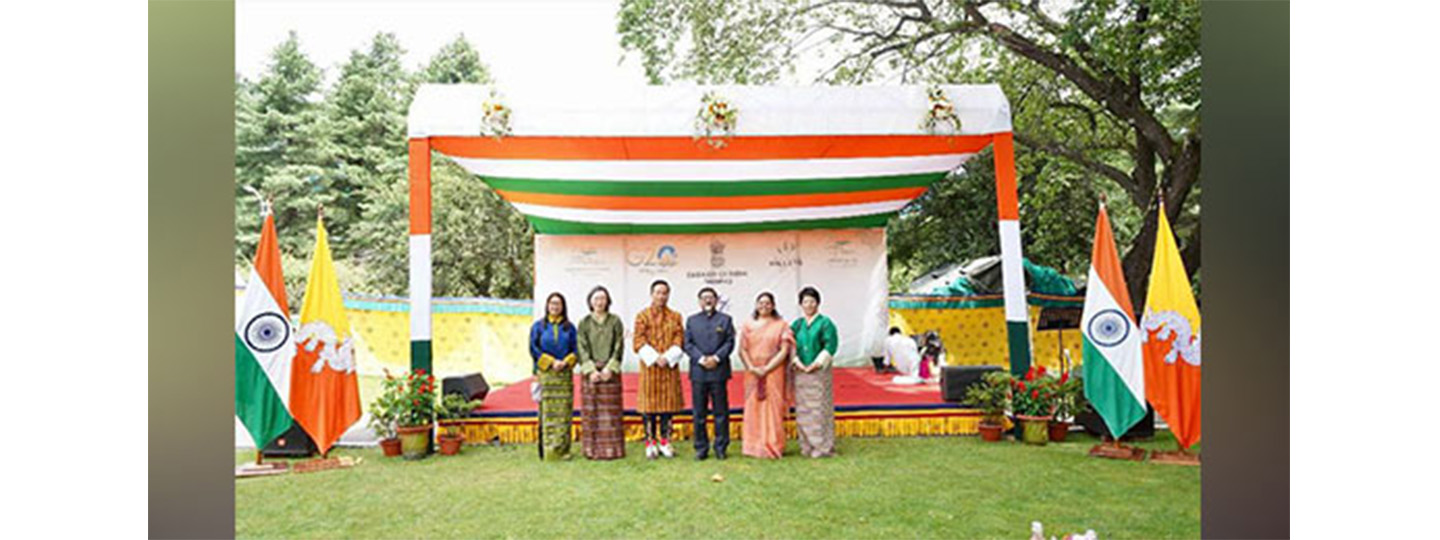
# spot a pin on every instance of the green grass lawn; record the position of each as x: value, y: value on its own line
x: 951, y: 487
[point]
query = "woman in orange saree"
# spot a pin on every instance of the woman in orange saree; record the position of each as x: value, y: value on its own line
x: 765, y: 346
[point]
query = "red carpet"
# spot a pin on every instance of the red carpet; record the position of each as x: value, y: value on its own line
x: 855, y: 389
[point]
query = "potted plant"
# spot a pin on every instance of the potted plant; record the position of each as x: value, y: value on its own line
x: 992, y: 396
x: 1069, y: 399
x: 453, y: 407
x: 383, y: 413
x: 1034, y: 404
x: 415, y: 413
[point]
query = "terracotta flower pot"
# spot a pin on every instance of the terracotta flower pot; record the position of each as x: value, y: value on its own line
x: 414, y: 441
x: 450, y: 445
x: 1058, y: 430
x: 1035, y: 429
x: 991, y: 432
x: 390, y: 446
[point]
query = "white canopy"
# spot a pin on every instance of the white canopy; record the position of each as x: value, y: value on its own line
x: 583, y: 110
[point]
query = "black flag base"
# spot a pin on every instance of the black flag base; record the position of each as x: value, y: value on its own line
x: 294, y: 443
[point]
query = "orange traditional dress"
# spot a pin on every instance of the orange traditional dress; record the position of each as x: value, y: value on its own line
x: 660, y: 328
x: 766, y: 399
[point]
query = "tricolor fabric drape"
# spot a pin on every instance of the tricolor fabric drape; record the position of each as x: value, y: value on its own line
x: 586, y: 160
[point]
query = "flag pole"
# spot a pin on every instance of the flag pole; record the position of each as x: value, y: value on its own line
x: 267, y: 205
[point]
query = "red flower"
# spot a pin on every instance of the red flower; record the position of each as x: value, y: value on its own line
x: 1064, y: 377
x: 1022, y: 387
x: 417, y: 402
x: 1042, y: 369
x: 1030, y: 374
x: 1034, y: 394
x: 420, y: 371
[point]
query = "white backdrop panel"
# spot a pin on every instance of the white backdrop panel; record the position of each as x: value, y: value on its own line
x: 847, y: 266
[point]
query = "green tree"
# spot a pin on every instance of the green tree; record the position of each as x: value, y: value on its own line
x: 480, y: 246
x: 280, y: 150
x: 456, y: 62
x: 366, y: 110
x: 1108, y: 91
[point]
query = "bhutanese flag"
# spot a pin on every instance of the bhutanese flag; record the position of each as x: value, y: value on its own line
x: 1114, y: 372
x: 324, y: 394
x: 1172, y: 340
x: 264, y: 345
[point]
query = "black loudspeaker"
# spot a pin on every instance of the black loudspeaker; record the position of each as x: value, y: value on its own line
x: 472, y: 386
x: 292, y: 443
x: 955, y: 380
x: 1094, y: 425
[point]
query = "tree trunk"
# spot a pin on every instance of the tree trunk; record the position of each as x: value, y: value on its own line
x: 1179, y: 178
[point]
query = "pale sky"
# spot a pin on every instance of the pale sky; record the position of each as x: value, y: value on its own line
x: 536, y: 42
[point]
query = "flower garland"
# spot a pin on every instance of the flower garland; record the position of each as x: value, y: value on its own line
x: 940, y: 113
x: 495, y: 121
x: 716, y: 116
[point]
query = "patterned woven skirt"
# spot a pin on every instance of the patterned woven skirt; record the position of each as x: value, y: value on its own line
x: 660, y: 390
x: 602, y: 418
x: 815, y: 412
x: 557, y: 406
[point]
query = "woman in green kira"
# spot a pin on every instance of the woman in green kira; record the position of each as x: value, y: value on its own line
x: 601, y: 341
x: 816, y: 341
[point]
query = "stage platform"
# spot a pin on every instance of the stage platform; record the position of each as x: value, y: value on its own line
x: 867, y: 404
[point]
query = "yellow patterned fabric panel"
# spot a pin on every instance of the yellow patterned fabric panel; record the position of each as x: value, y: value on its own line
x: 976, y: 336
x: 493, y: 344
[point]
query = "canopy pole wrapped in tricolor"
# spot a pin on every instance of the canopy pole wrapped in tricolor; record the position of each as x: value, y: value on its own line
x: 1172, y: 340
x: 1113, y: 368
x: 324, y: 392
x: 264, y: 345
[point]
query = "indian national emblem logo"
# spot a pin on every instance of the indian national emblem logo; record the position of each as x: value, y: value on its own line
x: 717, y: 253
x: 1170, y: 325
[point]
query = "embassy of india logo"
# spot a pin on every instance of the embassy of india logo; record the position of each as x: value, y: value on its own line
x: 1164, y: 324
x: 717, y: 253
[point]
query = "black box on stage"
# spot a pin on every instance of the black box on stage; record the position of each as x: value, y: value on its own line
x: 292, y: 443
x: 1094, y: 425
x: 955, y: 380
x: 472, y: 386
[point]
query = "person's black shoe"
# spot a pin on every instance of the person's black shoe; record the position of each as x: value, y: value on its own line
x: 720, y: 454
x: 700, y: 456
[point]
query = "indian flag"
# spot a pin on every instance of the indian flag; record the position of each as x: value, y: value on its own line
x: 1113, y: 366
x: 264, y: 345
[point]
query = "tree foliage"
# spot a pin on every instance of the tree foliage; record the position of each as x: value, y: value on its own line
x: 281, y: 149
x: 1105, y: 97
x: 344, y: 147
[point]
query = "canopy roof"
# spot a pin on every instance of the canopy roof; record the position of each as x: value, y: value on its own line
x: 607, y: 160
